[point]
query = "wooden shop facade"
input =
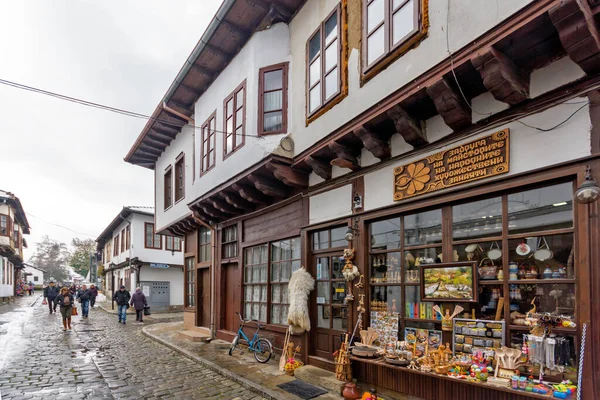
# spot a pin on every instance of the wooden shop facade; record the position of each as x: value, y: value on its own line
x: 477, y: 162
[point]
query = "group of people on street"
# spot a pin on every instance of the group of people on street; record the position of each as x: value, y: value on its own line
x: 65, y: 297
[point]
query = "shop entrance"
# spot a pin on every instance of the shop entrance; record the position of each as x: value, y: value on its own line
x: 329, y: 314
x: 231, y: 296
x: 203, y: 303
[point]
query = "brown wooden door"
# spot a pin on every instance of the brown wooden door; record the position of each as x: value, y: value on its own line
x: 330, y: 315
x: 232, y: 289
x: 203, y: 303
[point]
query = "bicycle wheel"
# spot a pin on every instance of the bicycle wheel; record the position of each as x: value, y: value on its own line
x: 234, y: 344
x: 263, y: 351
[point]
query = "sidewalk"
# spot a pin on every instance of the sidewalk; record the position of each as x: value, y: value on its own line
x: 244, y: 369
x: 162, y: 317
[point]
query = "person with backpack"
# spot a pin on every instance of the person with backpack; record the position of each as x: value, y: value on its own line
x: 94, y: 292
x: 122, y: 298
x: 84, y: 296
x: 50, y: 294
x: 139, y: 302
x: 65, y: 300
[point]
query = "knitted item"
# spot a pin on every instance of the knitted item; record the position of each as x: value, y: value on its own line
x: 299, y: 288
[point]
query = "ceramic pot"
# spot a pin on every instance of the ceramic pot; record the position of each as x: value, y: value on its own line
x: 351, y: 392
x: 548, y: 273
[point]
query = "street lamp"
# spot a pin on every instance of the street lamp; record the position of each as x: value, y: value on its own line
x: 589, y: 191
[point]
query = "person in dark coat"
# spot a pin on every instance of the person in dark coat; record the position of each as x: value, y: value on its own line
x: 73, y: 290
x: 138, y: 301
x: 94, y: 292
x: 65, y: 300
x: 122, y: 298
x: 50, y: 293
x: 84, y: 296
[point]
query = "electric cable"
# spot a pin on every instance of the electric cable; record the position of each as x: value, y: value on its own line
x: 109, y: 108
x: 60, y: 226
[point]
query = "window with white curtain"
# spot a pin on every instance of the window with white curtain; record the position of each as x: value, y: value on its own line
x: 272, y: 106
x: 323, y: 62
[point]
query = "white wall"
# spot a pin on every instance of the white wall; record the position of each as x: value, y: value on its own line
x: 331, y: 204
x: 6, y: 290
x: 529, y: 148
x: 174, y: 275
x: 151, y: 255
x: 468, y: 20
x: 263, y: 49
x: 34, y: 273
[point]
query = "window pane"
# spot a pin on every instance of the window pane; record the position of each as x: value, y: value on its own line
x: 403, y: 22
x: 375, y: 14
x: 477, y: 219
x: 541, y: 209
x: 331, y: 56
x: 296, y: 248
x: 255, y: 311
x: 275, y: 294
x: 229, y: 125
x: 315, y: 71
x: 263, y: 312
x: 323, y: 291
x: 263, y: 273
x: 230, y: 107
x: 284, y: 294
x: 275, y: 273
x: 239, y: 118
x: 315, y: 98
x: 263, y: 293
x: 314, y: 46
x: 331, y: 84
x: 423, y: 228
x: 338, y: 238
x: 273, y: 80
x: 275, y: 311
x: 229, y: 144
x: 331, y: 28
x: 239, y: 100
x: 248, y: 311
x: 273, y: 101
x: 320, y: 240
x: 385, y: 234
x: 375, y: 45
x: 276, y: 251
x: 322, y: 268
x: 273, y: 121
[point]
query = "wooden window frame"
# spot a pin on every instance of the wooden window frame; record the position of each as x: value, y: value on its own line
x: 128, y: 237
x: 123, y: 240
x: 116, y: 245
x: 16, y: 237
x: 168, y: 188
x: 233, y: 243
x: 202, y: 244
x: 311, y: 115
x: 391, y: 51
x: 284, y: 67
x: 179, y: 178
x: 172, y: 246
x: 154, y: 235
x: 9, y: 225
x: 205, y: 130
x: 189, y: 284
x: 233, y: 97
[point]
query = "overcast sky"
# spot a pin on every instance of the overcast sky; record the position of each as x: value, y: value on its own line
x: 63, y: 160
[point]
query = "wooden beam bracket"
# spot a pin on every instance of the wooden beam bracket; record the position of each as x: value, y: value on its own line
x: 412, y: 131
x: 267, y: 186
x: 379, y: 147
x: 450, y: 104
x: 287, y: 175
x: 346, y: 157
x: 319, y: 166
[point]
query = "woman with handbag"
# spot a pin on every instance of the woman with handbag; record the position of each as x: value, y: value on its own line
x: 139, y: 302
x: 66, y: 302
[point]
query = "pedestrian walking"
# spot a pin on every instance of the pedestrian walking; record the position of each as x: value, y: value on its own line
x: 30, y: 288
x: 65, y: 300
x: 94, y: 292
x: 84, y: 296
x: 50, y: 293
x: 73, y: 290
x: 138, y: 301
x: 122, y: 298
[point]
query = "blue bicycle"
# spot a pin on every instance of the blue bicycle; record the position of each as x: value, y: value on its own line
x: 262, y: 348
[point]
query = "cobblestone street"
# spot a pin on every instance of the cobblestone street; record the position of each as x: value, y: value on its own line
x: 99, y: 359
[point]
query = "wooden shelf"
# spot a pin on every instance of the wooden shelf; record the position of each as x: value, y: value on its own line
x: 435, y: 321
x: 490, y: 282
x: 385, y: 284
x: 540, y: 281
x: 528, y: 328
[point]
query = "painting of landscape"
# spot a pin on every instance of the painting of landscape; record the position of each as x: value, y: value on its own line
x: 448, y: 282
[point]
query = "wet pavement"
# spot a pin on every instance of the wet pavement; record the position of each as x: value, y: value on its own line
x: 99, y: 359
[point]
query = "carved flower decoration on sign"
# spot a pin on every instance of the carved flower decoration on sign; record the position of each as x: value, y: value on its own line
x: 414, y: 178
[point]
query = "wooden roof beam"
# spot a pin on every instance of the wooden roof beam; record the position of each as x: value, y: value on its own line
x: 504, y: 80
x: 218, y: 52
x: 190, y: 90
x: 200, y: 217
x: 250, y: 194
x: 287, y: 175
x: 202, y: 70
x: 319, y: 166
x: 209, y: 210
x: 379, y: 147
x: 450, y: 104
x: 150, y: 150
x: 412, y: 130
x: 346, y: 157
x: 224, y: 207
x: 235, y: 29
x: 164, y: 129
x: 267, y: 186
x: 237, y: 201
x: 157, y: 137
x: 578, y: 33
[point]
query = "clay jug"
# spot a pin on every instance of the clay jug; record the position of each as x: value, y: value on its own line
x: 351, y: 392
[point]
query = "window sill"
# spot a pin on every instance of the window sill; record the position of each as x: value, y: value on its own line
x: 168, y: 208
x: 279, y: 132
x: 232, y: 152
x: 177, y: 201
x: 202, y: 173
x: 335, y: 100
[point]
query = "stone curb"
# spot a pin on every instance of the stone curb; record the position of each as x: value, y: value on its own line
x: 248, y: 384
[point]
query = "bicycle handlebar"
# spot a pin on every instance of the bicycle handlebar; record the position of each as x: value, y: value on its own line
x: 245, y: 321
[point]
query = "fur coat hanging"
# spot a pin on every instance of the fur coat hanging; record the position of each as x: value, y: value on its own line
x: 300, y: 286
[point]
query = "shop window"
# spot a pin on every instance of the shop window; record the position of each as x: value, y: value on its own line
x: 272, y: 102
x: 229, y: 245
x: 255, y: 282
x: 190, y: 282
x: 323, y: 63
x: 329, y: 238
x: 204, y: 241
x: 285, y: 259
x: 235, y: 120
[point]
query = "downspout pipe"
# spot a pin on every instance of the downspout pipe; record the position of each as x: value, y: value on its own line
x: 206, y: 36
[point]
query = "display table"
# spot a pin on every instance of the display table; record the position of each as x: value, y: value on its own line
x: 429, y: 385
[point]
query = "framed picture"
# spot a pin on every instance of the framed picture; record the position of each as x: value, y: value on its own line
x: 326, y: 313
x: 455, y: 282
